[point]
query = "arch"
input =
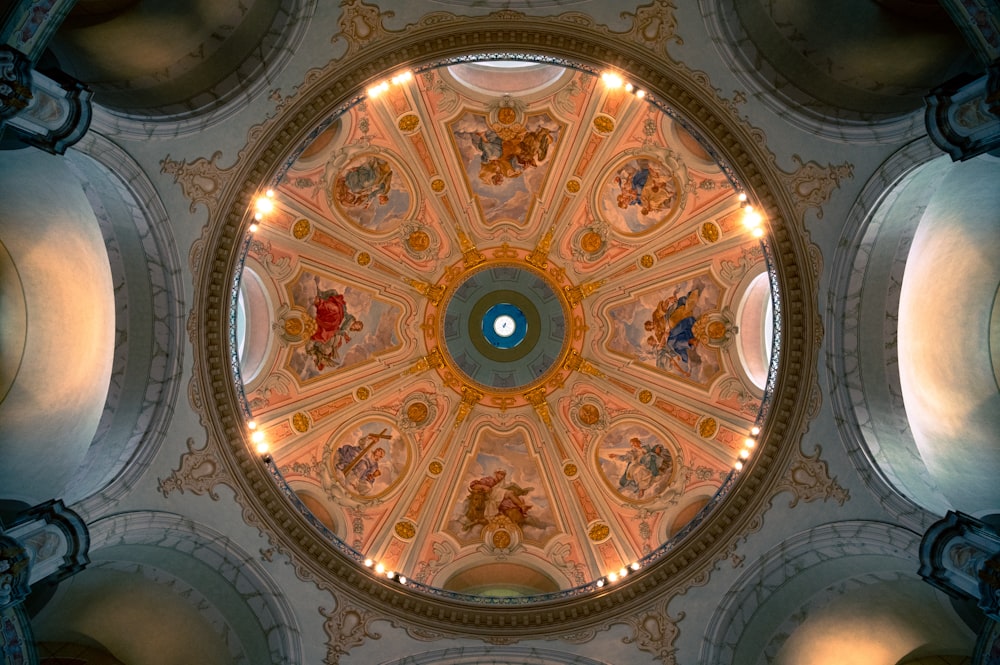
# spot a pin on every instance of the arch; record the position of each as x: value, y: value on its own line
x: 796, y: 570
x: 888, y: 616
x: 755, y: 318
x: 763, y: 44
x: 58, y: 267
x: 950, y: 294
x: 905, y: 225
x: 518, y: 580
x: 172, y: 557
x: 148, y: 351
x: 868, y: 401
x: 510, y: 655
x: 254, y: 342
x: 207, y: 83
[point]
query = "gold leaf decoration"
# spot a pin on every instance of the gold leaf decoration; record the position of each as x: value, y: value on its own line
x: 408, y: 122
x: 405, y: 530
x: 300, y: 422
x: 599, y: 532
x: 604, y: 124
x: 301, y: 228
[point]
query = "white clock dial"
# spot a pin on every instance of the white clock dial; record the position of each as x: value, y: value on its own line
x: 503, y: 325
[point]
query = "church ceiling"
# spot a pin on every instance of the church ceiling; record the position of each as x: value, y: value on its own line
x: 489, y: 329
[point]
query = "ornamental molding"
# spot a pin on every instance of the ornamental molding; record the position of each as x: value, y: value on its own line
x: 808, y: 479
x: 346, y: 627
x: 200, y: 472
x: 655, y: 632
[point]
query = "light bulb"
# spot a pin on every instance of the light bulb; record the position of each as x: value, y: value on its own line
x: 612, y: 80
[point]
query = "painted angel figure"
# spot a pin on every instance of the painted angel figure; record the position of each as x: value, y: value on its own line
x: 334, y: 326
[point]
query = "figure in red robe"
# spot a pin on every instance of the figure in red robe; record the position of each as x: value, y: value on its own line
x: 333, y: 327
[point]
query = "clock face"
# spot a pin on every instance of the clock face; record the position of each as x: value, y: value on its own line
x: 504, y: 325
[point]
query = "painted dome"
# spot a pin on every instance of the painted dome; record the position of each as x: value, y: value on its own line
x: 496, y: 329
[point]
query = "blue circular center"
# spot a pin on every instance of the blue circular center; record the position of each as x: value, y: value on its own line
x: 504, y: 326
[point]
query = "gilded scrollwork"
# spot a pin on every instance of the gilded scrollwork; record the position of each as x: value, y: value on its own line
x: 655, y: 632
x: 346, y: 627
x: 199, y: 472
x: 201, y: 180
x: 808, y: 479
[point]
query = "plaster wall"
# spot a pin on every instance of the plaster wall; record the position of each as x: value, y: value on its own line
x: 57, y: 396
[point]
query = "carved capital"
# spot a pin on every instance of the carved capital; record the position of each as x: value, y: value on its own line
x: 472, y: 256
x: 15, y: 81
x: 470, y: 397
x: 433, y: 292
x: 432, y: 360
x: 539, y: 255
x: 576, y: 363
x: 576, y: 294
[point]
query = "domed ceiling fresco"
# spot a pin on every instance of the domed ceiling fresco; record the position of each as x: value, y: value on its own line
x: 501, y: 327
